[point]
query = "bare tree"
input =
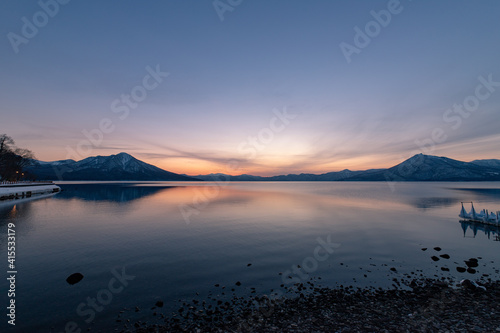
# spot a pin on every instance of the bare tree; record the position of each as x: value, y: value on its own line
x: 6, y: 143
x: 13, y: 160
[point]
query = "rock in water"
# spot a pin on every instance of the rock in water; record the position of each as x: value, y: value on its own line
x: 434, y: 258
x: 471, y: 285
x: 74, y: 278
x: 467, y: 284
x: 437, y: 248
x: 471, y: 263
x: 159, y: 304
x: 461, y: 269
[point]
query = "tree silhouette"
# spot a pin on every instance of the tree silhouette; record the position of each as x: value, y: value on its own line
x: 13, y: 160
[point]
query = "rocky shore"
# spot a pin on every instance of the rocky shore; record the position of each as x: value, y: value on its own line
x: 459, y: 299
x: 425, y: 305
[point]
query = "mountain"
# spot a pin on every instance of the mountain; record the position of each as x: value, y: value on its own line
x: 115, y: 167
x: 488, y: 163
x: 433, y: 168
x: 125, y: 167
x: 330, y: 176
x: 417, y: 168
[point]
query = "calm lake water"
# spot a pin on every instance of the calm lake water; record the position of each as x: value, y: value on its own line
x: 137, y: 243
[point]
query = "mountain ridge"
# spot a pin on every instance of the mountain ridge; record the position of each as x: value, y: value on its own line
x: 121, y: 166
x: 419, y: 167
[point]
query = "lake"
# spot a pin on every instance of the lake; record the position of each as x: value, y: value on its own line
x: 140, y: 243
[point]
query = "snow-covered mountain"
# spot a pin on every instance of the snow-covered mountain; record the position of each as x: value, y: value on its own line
x: 488, y: 163
x: 125, y: 167
x: 115, y: 167
x: 417, y: 168
x: 434, y: 168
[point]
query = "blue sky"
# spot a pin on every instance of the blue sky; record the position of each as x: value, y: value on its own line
x: 228, y: 79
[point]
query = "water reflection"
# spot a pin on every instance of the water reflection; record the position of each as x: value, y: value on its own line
x: 19, y: 210
x: 491, y: 231
x: 482, y: 193
x: 108, y: 192
x: 434, y: 202
x: 91, y: 228
x: 15, y: 210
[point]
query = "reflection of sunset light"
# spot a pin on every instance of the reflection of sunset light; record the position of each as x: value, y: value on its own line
x: 236, y: 202
x: 13, y: 211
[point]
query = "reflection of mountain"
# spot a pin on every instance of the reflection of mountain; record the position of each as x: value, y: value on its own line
x: 465, y: 194
x: 491, y: 193
x: 426, y: 203
x: 108, y: 192
x: 489, y: 230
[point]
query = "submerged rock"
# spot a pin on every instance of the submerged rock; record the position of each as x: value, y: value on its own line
x: 471, y: 263
x: 74, y: 278
x: 434, y: 258
x: 471, y: 270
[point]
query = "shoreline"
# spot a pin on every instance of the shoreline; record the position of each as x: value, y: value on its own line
x: 26, y: 190
x: 414, y: 303
x: 428, y: 305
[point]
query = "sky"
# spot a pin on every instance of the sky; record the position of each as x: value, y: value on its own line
x: 252, y: 86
